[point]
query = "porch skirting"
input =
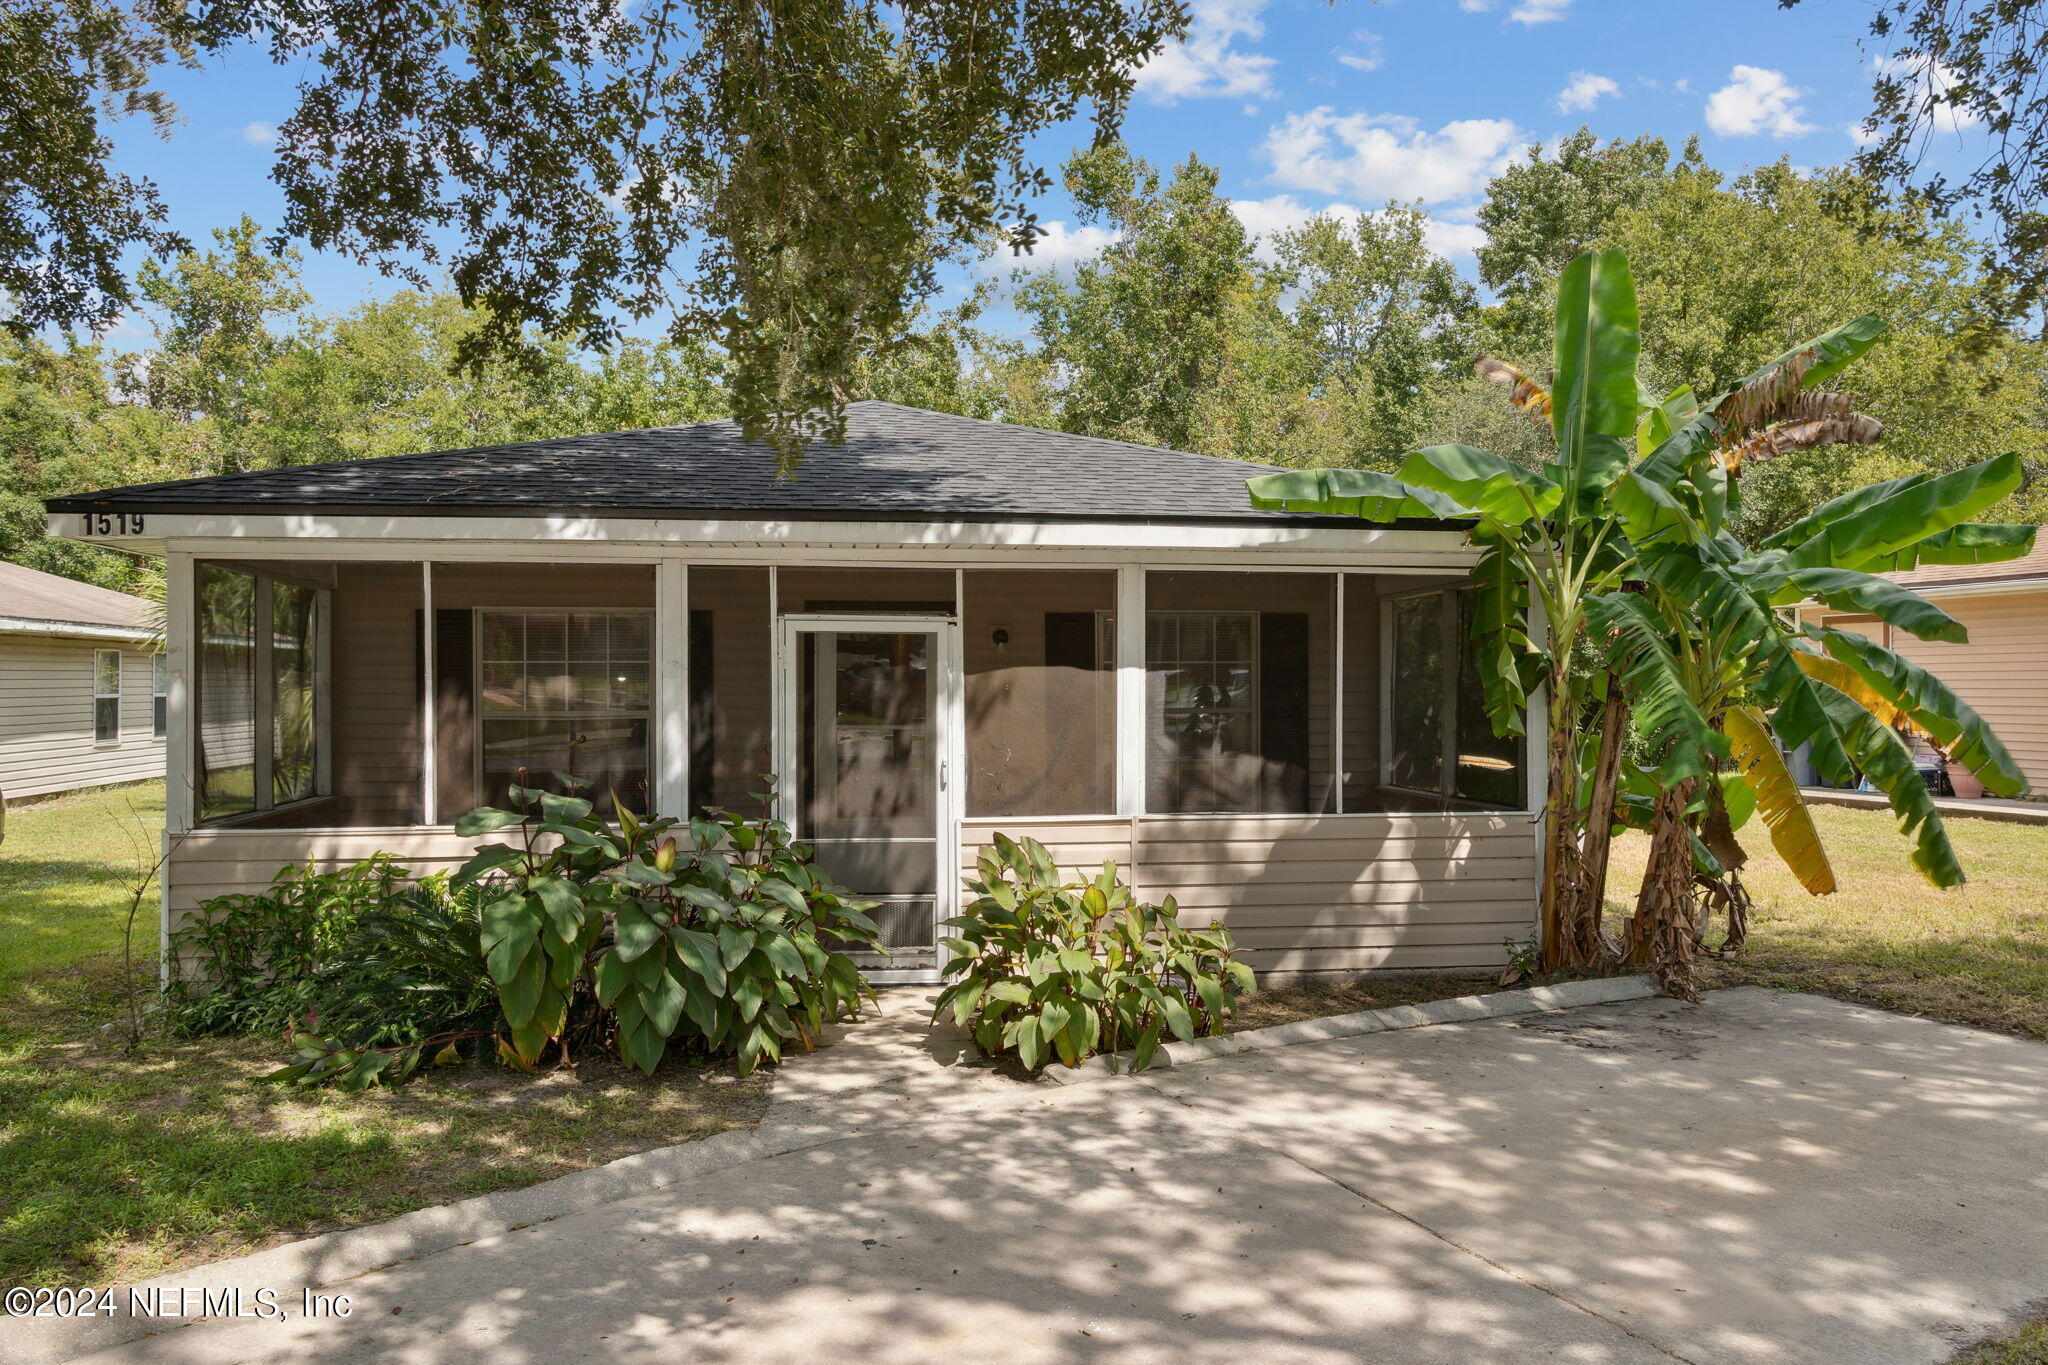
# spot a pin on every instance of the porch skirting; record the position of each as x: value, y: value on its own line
x: 1302, y: 894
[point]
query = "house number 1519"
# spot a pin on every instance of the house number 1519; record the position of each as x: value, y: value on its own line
x: 112, y: 523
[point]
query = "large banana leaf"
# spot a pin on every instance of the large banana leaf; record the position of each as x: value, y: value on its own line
x: 1350, y: 492
x: 1935, y: 709
x: 1839, y: 508
x: 1661, y: 708
x: 1880, y: 755
x: 1971, y: 543
x: 1652, y: 512
x: 1663, y: 416
x: 1832, y: 351
x: 1838, y: 675
x: 1593, y: 390
x: 1851, y: 590
x: 1909, y: 516
x: 1486, y: 484
x: 1508, y: 664
x: 1777, y: 797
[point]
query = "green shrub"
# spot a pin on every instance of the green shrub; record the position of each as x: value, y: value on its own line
x: 715, y: 934
x: 251, y: 963
x: 1050, y: 969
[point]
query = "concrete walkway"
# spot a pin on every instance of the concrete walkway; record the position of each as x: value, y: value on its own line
x: 1764, y: 1177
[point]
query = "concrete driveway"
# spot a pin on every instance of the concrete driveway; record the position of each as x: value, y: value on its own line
x: 1763, y: 1177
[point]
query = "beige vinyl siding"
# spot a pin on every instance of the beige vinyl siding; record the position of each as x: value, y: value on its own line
x: 46, y: 742
x: 2002, y: 671
x: 1318, y: 893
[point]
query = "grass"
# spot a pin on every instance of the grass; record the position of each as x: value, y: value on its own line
x: 2028, y: 1346
x: 115, y: 1166
x: 1977, y: 954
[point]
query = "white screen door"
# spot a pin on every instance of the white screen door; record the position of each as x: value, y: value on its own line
x: 869, y: 707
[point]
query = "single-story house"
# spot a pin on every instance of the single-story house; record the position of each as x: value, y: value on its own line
x: 82, y: 686
x: 921, y: 636
x: 2003, y: 670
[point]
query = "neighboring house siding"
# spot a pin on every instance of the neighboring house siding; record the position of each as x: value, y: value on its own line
x: 2002, y: 671
x: 46, y: 712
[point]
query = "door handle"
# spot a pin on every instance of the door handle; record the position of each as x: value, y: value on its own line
x: 942, y: 774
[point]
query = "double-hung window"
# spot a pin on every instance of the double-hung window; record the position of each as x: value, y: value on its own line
x: 106, y: 696
x: 564, y: 691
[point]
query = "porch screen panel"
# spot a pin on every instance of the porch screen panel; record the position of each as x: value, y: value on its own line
x: 291, y: 675
x: 226, y: 625
x: 1416, y: 758
x: 1240, y: 691
x: 565, y: 691
x: 1040, y: 692
x: 732, y: 686
x: 1361, y: 648
x: 1444, y: 749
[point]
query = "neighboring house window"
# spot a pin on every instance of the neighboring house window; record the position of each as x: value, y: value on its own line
x: 548, y: 679
x: 1439, y: 739
x: 106, y: 696
x: 159, y: 696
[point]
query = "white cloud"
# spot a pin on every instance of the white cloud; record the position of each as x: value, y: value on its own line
x: 1208, y: 63
x: 1757, y: 100
x: 260, y: 134
x: 1925, y: 79
x: 1448, y: 232
x: 1364, y: 52
x: 1058, y: 246
x: 1583, y: 91
x: 1525, y: 11
x: 1383, y: 156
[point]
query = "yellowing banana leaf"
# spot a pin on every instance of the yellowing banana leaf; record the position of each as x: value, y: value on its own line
x: 1778, y: 800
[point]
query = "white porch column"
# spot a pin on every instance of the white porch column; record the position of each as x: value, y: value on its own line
x: 1337, y: 700
x: 429, y: 702
x: 1130, y: 690
x: 671, y: 785
x: 181, y: 767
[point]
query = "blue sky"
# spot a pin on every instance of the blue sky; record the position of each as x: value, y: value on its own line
x: 1304, y: 106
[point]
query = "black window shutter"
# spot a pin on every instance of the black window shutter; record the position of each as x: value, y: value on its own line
x: 701, y: 716
x: 1283, y: 704
x: 455, y: 704
x: 1070, y: 639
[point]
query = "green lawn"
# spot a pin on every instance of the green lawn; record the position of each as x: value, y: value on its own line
x: 1977, y: 954
x: 115, y: 1166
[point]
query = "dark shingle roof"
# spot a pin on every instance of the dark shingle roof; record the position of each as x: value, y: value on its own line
x: 897, y: 463
x: 31, y: 595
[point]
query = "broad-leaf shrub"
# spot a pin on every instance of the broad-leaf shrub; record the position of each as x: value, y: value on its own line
x: 715, y: 934
x: 1045, y: 968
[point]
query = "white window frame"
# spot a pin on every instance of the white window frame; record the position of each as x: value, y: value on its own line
x: 648, y: 714
x: 98, y: 696
x: 159, y: 695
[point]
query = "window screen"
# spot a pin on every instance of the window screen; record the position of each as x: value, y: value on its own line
x: 565, y: 692
x: 1440, y: 739
x: 291, y: 679
x: 226, y: 622
x: 106, y: 696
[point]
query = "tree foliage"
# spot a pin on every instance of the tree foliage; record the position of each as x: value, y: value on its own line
x: 1977, y: 68
x: 780, y: 179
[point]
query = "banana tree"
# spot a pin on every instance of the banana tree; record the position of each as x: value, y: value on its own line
x: 1551, y: 538
x: 1705, y: 647
x: 1561, y: 551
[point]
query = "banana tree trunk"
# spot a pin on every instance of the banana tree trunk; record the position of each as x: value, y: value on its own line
x: 1571, y: 936
x: 1662, y: 934
x: 1600, y: 806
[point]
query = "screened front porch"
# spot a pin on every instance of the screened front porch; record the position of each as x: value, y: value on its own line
x: 1300, y: 752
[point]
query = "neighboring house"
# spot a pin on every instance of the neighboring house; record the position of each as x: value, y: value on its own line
x: 82, y: 689
x: 2003, y: 670
x: 921, y: 634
